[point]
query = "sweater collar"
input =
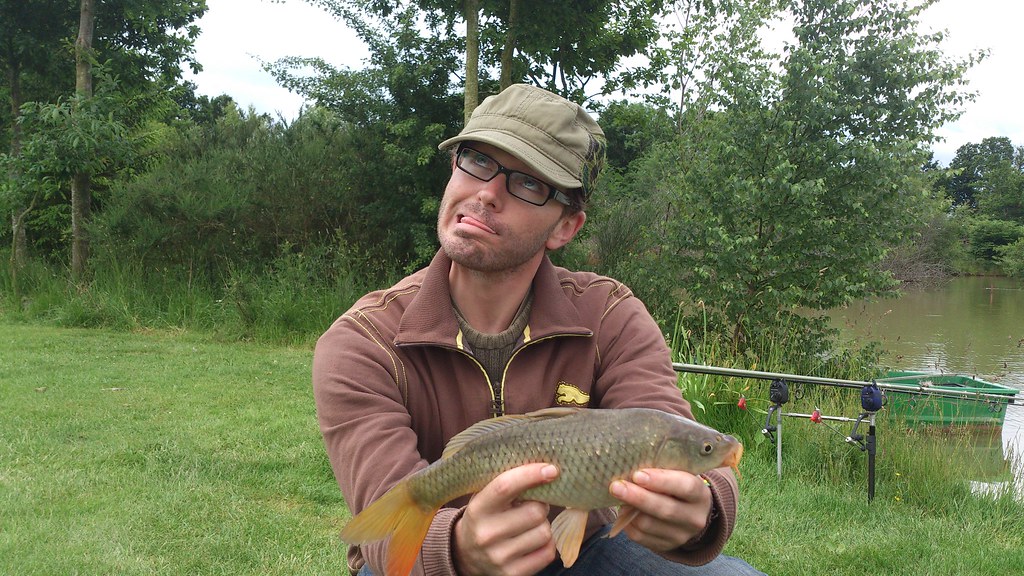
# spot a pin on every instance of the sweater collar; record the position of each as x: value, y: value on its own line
x: 430, y: 319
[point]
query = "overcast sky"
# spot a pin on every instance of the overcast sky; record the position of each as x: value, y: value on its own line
x: 238, y: 34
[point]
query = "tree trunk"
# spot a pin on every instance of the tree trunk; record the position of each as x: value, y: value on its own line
x: 19, y: 241
x: 472, y: 88
x: 81, y: 195
x: 81, y: 200
x: 510, y: 44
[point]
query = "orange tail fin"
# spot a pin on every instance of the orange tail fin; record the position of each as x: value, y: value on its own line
x: 397, y: 514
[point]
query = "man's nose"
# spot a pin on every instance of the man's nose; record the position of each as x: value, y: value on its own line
x: 494, y: 191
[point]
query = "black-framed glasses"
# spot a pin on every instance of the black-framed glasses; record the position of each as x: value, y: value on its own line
x: 519, y: 184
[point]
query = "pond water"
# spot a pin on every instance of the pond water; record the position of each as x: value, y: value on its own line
x: 971, y: 325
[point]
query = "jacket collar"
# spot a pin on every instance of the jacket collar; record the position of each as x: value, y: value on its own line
x: 430, y: 319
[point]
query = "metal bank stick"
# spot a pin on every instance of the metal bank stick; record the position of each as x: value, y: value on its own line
x: 778, y: 394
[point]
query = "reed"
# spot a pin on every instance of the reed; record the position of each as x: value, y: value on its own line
x: 292, y: 300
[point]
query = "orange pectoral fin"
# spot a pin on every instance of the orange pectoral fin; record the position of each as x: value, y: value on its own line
x: 396, y: 514
x: 567, y: 529
x: 626, y: 515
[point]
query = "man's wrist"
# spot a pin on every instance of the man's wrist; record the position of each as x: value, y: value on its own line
x: 458, y: 564
x: 712, y: 516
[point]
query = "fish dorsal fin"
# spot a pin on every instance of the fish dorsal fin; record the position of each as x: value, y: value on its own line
x: 553, y: 412
x: 459, y: 441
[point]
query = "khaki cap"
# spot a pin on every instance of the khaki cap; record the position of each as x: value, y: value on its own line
x: 553, y: 136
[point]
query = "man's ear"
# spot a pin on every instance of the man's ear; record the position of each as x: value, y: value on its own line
x: 566, y: 230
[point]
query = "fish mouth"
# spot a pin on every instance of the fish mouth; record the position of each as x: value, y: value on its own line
x: 733, y: 459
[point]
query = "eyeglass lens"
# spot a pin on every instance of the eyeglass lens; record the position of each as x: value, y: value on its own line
x: 519, y: 184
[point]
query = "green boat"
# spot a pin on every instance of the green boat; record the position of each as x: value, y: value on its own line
x: 959, y: 400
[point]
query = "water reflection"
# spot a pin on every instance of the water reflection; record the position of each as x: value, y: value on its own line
x: 969, y: 325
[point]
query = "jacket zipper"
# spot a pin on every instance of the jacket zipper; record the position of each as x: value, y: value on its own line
x: 499, y: 405
x: 498, y: 395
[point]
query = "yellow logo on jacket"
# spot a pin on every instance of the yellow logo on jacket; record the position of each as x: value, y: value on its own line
x: 568, y: 395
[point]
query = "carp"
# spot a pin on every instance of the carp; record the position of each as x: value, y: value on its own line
x: 591, y: 448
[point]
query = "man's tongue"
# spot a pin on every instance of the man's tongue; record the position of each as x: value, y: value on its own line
x: 470, y: 221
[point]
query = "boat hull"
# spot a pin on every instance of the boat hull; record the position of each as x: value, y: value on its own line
x: 923, y: 409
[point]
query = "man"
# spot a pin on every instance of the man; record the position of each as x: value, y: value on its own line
x: 491, y: 327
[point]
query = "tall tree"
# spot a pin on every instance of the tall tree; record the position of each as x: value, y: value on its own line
x: 1001, y: 191
x: 398, y: 108
x: 785, y: 190
x: 969, y: 166
x: 471, y: 93
x: 563, y: 46
x: 986, y: 176
x: 31, y: 32
x: 821, y: 180
x: 145, y: 41
x: 81, y: 195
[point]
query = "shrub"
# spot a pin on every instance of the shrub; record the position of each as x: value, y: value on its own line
x: 1011, y: 258
x: 986, y: 236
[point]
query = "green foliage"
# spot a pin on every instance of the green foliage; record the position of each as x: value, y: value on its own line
x: 289, y: 300
x: 72, y: 135
x: 399, y: 109
x: 262, y: 304
x: 1000, y: 192
x: 985, y: 183
x: 144, y: 42
x: 247, y: 227
x: 147, y: 42
x: 632, y: 130
x: 972, y: 166
x: 1011, y: 258
x: 624, y: 234
x: 34, y: 50
x: 592, y: 43
x: 79, y: 134
x: 987, y: 236
x: 935, y: 247
x: 786, y: 191
x: 232, y: 194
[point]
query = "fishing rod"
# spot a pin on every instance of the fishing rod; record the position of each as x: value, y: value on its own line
x: 920, y: 390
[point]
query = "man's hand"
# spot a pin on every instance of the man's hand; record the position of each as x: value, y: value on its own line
x: 673, y: 507
x: 498, y: 533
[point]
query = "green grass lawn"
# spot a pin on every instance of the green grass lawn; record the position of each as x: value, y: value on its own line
x: 160, y: 454
x: 168, y: 453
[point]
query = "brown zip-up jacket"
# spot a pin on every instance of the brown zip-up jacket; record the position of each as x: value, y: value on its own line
x: 394, y: 381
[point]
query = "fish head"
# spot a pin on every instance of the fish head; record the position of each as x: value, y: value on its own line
x: 696, y: 448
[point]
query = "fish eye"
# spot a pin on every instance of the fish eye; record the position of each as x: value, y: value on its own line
x: 708, y: 448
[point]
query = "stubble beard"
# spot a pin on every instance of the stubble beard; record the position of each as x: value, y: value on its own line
x: 467, y: 252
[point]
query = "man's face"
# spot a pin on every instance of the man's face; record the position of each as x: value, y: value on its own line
x: 483, y: 227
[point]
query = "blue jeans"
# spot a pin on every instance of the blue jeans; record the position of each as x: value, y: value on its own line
x: 620, y: 556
